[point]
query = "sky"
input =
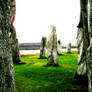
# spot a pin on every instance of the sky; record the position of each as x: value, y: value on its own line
x: 34, y: 17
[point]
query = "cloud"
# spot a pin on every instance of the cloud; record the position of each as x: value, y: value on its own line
x: 33, y: 18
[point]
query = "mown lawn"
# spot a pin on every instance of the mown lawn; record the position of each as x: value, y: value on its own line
x: 35, y: 76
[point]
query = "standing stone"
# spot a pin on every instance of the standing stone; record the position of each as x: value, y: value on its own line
x: 52, y: 47
x: 79, y: 39
x: 14, y: 40
x: 83, y: 43
x: 69, y: 48
x: 82, y: 40
x: 43, y: 47
x: 81, y: 57
x: 89, y: 66
x: 14, y: 46
x: 59, y: 47
x: 6, y: 62
x: 89, y: 50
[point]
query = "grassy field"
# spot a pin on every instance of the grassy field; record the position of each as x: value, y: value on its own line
x: 35, y: 76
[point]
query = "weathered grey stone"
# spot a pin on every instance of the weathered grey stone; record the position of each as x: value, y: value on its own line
x: 89, y: 65
x: 86, y: 12
x: 6, y: 62
x: 86, y: 24
x: 59, y: 48
x: 81, y: 41
x: 69, y: 47
x: 14, y: 46
x: 52, y: 47
x: 43, y: 47
x: 89, y: 50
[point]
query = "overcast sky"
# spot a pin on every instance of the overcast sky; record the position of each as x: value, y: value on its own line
x: 34, y: 17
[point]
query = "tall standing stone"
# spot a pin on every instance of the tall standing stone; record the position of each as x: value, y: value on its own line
x: 6, y: 62
x: 81, y: 51
x: 83, y: 43
x: 59, y: 48
x: 82, y: 40
x: 14, y: 40
x: 69, y: 48
x: 52, y: 47
x: 14, y: 46
x: 86, y: 16
x: 43, y: 47
x: 89, y: 50
x: 89, y: 66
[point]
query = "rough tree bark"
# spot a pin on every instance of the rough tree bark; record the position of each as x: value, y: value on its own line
x: 52, y: 48
x: 6, y: 62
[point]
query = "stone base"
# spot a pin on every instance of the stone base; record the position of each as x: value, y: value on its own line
x: 68, y: 52
x: 82, y: 79
x: 59, y: 54
x: 52, y: 64
x: 20, y: 63
x: 42, y: 58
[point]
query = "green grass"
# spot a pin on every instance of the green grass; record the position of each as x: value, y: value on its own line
x: 35, y: 76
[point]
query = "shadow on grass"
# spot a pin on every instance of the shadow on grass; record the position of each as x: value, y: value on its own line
x: 42, y: 58
x: 36, y: 76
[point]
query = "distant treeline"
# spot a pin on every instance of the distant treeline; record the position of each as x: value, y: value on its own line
x: 29, y: 46
x: 35, y: 46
